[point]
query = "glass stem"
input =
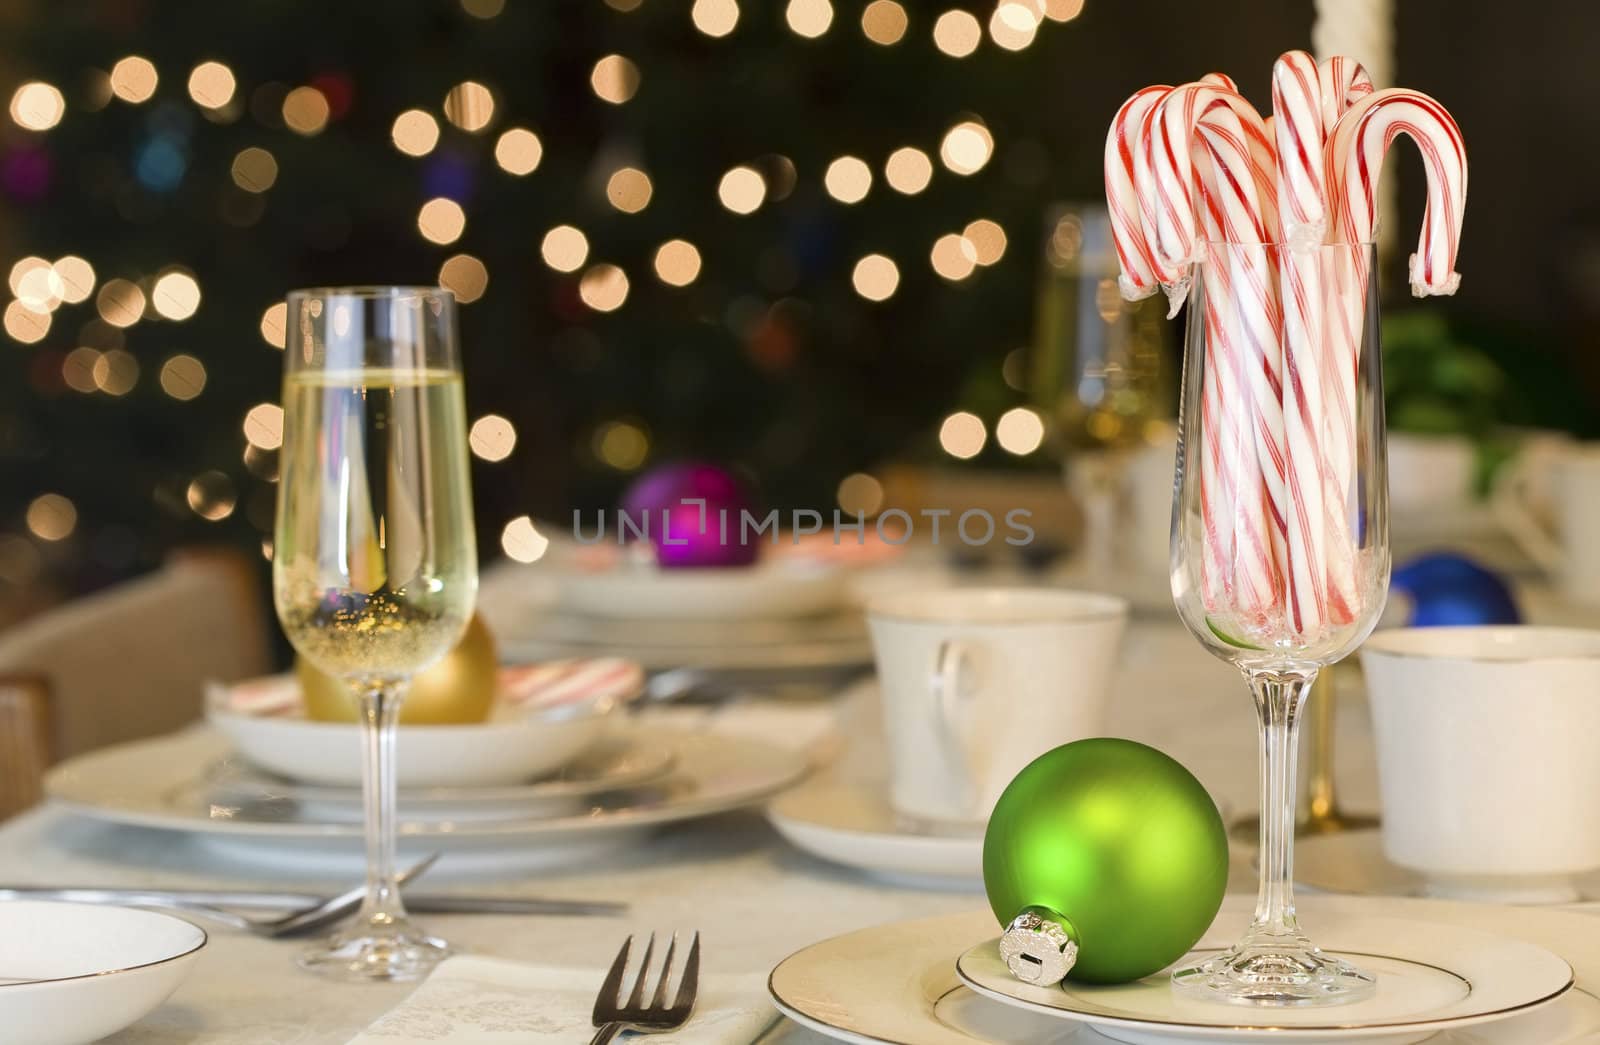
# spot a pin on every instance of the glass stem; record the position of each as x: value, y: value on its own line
x: 1280, y: 698
x: 380, y: 711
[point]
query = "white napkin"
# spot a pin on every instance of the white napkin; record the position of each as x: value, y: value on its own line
x: 485, y: 1000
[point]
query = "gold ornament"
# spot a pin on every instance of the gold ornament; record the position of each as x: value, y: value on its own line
x: 457, y: 690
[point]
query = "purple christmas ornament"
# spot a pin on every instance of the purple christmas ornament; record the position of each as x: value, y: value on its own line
x: 693, y: 537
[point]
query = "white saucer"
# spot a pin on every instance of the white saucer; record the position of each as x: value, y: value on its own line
x: 777, y: 587
x: 73, y: 973
x: 1354, y: 862
x: 851, y: 823
x: 897, y: 984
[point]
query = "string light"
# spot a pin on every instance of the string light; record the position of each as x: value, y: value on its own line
x: 966, y: 147
x: 263, y: 426
x: 470, y: 106
x: 210, y: 496
x: 883, y: 22
x: 715, y: 18
x: 116, y: 372
x: 988, y: 240
x: 133, y: 79
x: 255, y: 169
x: 809, y: 18
x: 1013, y: 25
x: 211, y: 85
x: 183, y: 377
x: 37, y: 285
x: 953, y: 257
x: 848, y: 179
x: 305, y: 111
x: 615, y: 79
x: 77, y: 278
x: 962, y: 435
x: 24, y: 324
x: 120, y: 303
x: 77, y: 369
x: 464, y: 276
x: 742, y: 190
x: 876, y: 277
x: 629, y: 190
x: 1062, y: 10
x: 603, y: 287
x: 415, y: 132
x: 1019, y: 431
x: 441, y: 220
x: 1022, y: 15
x: 51, y: 517
x: 677, y: 263
x: 957, y: 33
x: 176, y: 295
x: 37, y: 106
x: 621, y: 445
x: 518, y: 151
x: 275, y: 324
x: 565, y: 248
x: 492, y: 438
x: 860, y: 493
x: 522, y: 542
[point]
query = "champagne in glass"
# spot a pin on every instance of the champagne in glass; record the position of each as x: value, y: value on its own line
x: 374, y: 563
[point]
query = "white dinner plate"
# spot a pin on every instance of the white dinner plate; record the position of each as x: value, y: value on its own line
x: 1354, y: 862
x: 162, y: 783
x: 73, y: 973
x: 898, y: 983
x: 776, y: 587
x: 850, y: 822
x: 520, y: 741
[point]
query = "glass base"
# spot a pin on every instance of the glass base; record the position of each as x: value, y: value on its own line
x: 1278, y: 974
x: 394, y: 954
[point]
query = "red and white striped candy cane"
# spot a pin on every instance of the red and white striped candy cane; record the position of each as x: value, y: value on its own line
x: 1342, y: 81
x: 1137, y: 279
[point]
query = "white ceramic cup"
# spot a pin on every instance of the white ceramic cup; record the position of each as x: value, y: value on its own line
x: 1486, y: 757
x: 1567, y: 477
x: 978, y: 682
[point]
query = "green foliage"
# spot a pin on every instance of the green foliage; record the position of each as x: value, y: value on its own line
x: 1436, y: 384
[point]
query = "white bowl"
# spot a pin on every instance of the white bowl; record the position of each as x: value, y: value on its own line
x: 72, y: 973
x: 517, y: 744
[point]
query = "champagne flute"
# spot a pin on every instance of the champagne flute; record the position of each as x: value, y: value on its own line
x: 374, y: 566
x: 1280, y: 545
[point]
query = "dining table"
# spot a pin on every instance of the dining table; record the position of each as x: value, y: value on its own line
x: 753, y: 898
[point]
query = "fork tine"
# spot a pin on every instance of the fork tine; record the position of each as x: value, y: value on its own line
x: 683, y: 1001
x: 611, y: 989
x: 660, y: 1000
x: 637, y: 997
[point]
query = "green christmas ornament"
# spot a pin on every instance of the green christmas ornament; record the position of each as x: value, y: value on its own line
x: 1105, y: 860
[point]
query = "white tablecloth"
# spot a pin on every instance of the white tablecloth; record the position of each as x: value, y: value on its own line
x: 753, y: 897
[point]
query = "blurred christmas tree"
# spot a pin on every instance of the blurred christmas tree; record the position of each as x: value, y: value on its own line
x: 783, y: 235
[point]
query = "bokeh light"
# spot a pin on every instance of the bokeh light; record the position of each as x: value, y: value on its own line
x: 1013, y: 24
x: 183, y: 377
x: 957, y: 33
x: 116, y: 372
x: 860, y: 493
x: 464, y: 276
x: 470, y: 106
x: 492, y: 438
x: 26, y: 325
x: 51, y: 517
x: 518, y: 151
x: 175, y: 295
x: 522, y: 542
x: 621, y: 445
x: 274, y: 324
x: 415, y: 132
x: 211, y: 85
x: 677, y: 263
x: 120, y: 302
x: 908, y: 170
x: 603, y: 287
x: 263, y: 426
x: 37, y: 285
x: 441, y: 220
x: 615, y: 79
x: 77, y: 278
x: 484, y: 9
x: 565, y: 248
x: 884, y: 22
x: 211, y: 496
x: 37, y: 106
x: 715, y: 17
x: 255, y: 169
x: 133, y: 79
x: 848, y: 179
x: 77, y: 369
x: 1063, y: 10
x: 876, y: 277
x: 628, y: 190
x: 742, y: 190
x: 953, y: 256
x: 962, y: 435
x: 988, y: 240
x: 966, y: 147
x: 809, y: 18
x: 1019, y: 431
x: 305, y: 111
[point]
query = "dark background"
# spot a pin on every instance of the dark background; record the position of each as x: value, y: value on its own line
x: 769, y: 361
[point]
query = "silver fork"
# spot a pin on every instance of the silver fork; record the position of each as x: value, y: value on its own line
x: 613, y: 1016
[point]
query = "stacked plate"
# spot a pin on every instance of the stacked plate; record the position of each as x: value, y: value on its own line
x: 542, y: 781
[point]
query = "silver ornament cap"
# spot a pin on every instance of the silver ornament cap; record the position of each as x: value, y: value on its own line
x: 1040, y: 946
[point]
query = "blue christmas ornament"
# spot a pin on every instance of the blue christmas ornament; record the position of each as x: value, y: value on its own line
x: 1450, y: 589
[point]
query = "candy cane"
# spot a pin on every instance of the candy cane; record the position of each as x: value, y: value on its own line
x: 1342, y: 82
x: 1137, y: 279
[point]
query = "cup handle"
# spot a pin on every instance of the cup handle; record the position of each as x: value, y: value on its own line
x: 953, y: 660
x: 1509, y: 502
